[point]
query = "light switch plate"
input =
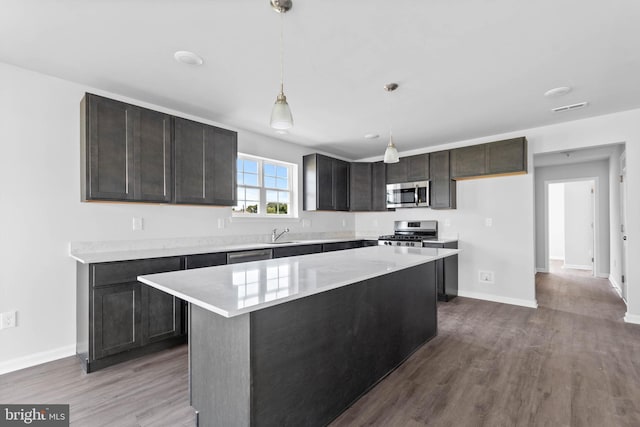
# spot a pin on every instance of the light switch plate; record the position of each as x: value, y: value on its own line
x: 138, y: 223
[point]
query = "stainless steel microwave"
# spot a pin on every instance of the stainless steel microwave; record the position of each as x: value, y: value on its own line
x: 408, y: 195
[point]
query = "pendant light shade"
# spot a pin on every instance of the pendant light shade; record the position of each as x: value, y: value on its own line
x: 281, y: 117
x: 391, y: 153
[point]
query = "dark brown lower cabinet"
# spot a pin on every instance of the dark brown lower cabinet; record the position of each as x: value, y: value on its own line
x: 119, y: 318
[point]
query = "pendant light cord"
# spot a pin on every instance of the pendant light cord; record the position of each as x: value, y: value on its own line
x: 390, y: 117
x: 282, y: 53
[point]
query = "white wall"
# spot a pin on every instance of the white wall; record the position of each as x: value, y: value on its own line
x: 506, y: 247
x: 572, y: 172
x: 579, y: 233
x: 556, y: 221
x: 41, y: 212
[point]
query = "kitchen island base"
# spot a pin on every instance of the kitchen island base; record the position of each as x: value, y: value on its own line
x: 304, y: 362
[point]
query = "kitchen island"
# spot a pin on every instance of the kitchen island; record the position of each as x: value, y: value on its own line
x: 295, y: 341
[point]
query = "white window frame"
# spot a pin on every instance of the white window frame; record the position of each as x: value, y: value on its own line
x: 292, y: 171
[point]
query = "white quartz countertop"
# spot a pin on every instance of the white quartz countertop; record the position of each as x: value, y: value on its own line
x: 129, y: 254
x: 232, y: 290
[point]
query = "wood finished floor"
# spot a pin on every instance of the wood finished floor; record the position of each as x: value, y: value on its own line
x: 571, y: 362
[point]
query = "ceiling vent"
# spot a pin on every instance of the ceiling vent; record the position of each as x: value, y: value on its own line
x: 570, y: 107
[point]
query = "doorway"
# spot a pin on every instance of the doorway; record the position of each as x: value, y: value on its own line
x: 623, y: 225
x: 571, y: 219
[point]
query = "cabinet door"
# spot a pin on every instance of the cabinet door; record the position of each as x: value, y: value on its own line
x: 222, y: 153
x: 324, y: 182
x: 468, y: 161
x: 360, y: 187
x: 161, y: 315
x: 341, y: 185
x: 117, y: 321
x: 397, y: 172
x: 190, y: 161
x: 418, y: 167
x: 442, y: 187
x: 508, y: 156
x: 108, y: 147
x: 205, y: 164
x: 152, y: 156
x: 378, y: 187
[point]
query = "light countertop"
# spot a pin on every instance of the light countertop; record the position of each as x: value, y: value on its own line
x: 232, y: 290
x: 87, y: 257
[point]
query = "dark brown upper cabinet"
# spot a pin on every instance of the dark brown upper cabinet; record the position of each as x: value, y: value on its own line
x: 368, y: 187
x: 505, y: 157
x: 205, y: 163
x: 442, y: 187
x: 361, y: 186
x: 378, y: 186
x: 326, y: 183
x: 409, y: 169
x: 126, y: 152
x: 133, y: 154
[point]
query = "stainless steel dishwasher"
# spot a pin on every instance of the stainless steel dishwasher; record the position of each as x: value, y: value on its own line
x: 246, y: 256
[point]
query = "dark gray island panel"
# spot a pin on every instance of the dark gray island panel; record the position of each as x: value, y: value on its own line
x: 307, y: 360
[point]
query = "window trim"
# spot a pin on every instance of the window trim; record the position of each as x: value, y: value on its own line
x: 292, y: 169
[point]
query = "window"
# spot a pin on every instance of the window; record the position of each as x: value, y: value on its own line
x: 265, y: 188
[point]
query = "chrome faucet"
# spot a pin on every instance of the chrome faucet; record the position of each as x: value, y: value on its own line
x: 275, y: 236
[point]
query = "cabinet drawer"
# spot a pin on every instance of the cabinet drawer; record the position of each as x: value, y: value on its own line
x: 296, y: 250
x: 339, y: 246
x: 111, y: 273
x: 205, y: 260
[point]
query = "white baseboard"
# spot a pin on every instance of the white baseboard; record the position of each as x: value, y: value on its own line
x: 614, y: 284
x: 632, y: 318
x: 603, y: 276
x: 578, y: 267
x: 556, y: 258
x: 496, y: 298
x: 542, y: 270
x: 36, y: 359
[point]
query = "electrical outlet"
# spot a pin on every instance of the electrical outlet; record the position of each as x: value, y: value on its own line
x: 306, y: 223
x: 221, y: 223
x: 8, y: 320
x: 485, y: 276
x: 488, y: 222
x: 447, y: 222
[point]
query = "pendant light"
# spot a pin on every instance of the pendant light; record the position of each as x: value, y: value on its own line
x: 391, y: 153
x: 281, y: 118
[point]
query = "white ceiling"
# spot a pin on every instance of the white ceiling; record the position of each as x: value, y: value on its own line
x: 466, y: 68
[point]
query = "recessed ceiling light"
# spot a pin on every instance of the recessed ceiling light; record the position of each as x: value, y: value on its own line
x: 187, y: 57
x: 371, y: 136
x: 557, y: 91
x: 570, y: 107
x: 282, y: 132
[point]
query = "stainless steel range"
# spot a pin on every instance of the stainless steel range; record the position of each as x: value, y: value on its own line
x: 410, y: 233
